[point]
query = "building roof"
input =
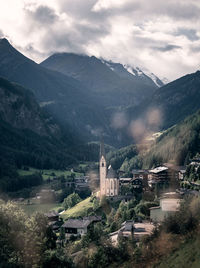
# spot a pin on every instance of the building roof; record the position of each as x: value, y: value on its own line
x: 158, y: 169
x: 76, y: 223
x: 142, y: 229
x: 170, y: 195
x: 139, y: 171
x: 126, y: 179
x: 93, y: 218
x: 111, y: 173
x: 127, y: 226
x: 52, y: 213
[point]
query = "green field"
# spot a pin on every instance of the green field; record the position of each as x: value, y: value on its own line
x: 43, y: 208
x: 47, y: 173
x: 78, y: 210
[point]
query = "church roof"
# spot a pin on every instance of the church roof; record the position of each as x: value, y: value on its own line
x: 111, y: 173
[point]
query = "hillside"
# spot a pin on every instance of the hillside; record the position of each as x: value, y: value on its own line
x: 19, y: 108
x: 79, y: 210
x: 110, y: 82
x: 188, y: 255
x: 29, y: 136
x: 173, y: 102
x: 177, y: 144
x: 64, y: 97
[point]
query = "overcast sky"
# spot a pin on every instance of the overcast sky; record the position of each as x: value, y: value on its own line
x: 163, y: 36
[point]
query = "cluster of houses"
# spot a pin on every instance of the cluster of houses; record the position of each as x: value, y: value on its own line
x: 79, y: 183
x: 141, y: 179
x: 164, y: 175
x: 72, y: 227
x: 169, y: 204
x: 80, y: 226
x: 161, y: 174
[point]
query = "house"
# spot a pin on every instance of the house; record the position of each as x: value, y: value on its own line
x: 158, y: 175
x: 70, y: 184
x: 137, y: 183
x: 82, y: 183
x: 126, y: 230
x: 142, y: 229
x: 169, y: 204
x: 76, y: 227
x: 93, y: 218
x: 175, y: 172
x: 125, y: 181
x: 195, y: 161
x: 133, y: 230
x: 140, y: 173
x: 53, y: 220
x: 181, y: 174
x: 52, y: 215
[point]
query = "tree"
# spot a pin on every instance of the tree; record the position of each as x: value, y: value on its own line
x: 71, y: 201
x: 95, y: 204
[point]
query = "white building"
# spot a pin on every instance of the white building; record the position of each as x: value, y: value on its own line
x: 109, y: 183
x: 169, y: 204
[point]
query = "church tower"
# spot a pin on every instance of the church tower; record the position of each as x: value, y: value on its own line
x: 102, y: 170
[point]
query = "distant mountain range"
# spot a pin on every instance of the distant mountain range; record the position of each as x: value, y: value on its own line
x: 81, y: 92
x: 61, y: 95
x: 84, y: 93
x: 113, y: 84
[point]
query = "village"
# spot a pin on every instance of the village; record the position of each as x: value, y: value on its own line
x: 163, y: 183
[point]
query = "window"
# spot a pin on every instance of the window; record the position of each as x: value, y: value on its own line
x: 102, y: 164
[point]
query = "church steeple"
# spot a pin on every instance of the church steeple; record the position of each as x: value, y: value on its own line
x: 102, y: 169
x: 102, y: 149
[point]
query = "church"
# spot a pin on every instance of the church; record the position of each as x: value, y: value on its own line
x: 109, y: 183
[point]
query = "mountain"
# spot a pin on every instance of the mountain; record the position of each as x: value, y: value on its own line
x: 112, y: 83
x: 135, y: 73
x: 19, y: 108
x: 64, y: 97
x: 173, y: 102
x: 28, y: 135
x: 177, y: 144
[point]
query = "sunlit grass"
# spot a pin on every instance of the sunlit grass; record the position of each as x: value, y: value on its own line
x: 78, y: 210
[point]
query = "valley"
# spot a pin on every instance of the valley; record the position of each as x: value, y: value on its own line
x: 131, y: 202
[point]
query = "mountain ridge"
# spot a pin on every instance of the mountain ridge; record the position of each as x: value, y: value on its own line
x: 109, y: 85
x: 68, y: 100
x: 174, y: 101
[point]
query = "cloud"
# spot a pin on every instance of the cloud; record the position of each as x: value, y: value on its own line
x: 191, y: 34
x: 1, y: 33
x: 43, y: 15
x: 167, y: 48
x: 156, y: 34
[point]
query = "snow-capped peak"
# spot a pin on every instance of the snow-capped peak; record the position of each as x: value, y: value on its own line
x: 135, y: 71
x: 144, y: 72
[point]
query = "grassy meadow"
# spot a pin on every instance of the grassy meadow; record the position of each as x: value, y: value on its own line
x: 43, y: 208
x: 78, y: 210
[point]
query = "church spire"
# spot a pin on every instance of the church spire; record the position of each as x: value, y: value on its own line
x: 102, y: 149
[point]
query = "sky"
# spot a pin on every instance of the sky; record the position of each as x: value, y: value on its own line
x: 163, y: 36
